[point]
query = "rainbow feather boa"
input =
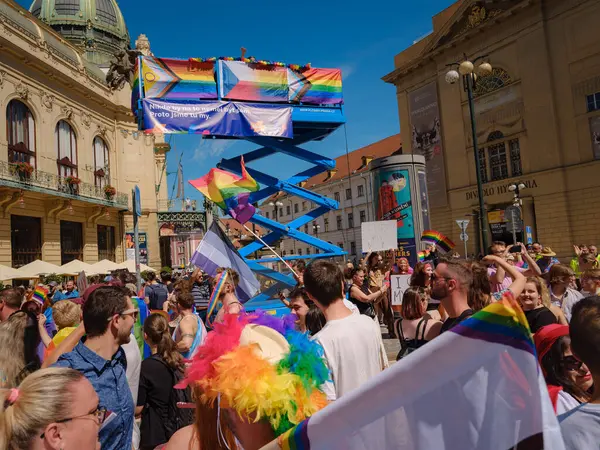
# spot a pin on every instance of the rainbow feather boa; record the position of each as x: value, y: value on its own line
x: 284, y: 394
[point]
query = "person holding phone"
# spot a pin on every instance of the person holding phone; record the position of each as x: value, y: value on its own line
x: 499, y: 279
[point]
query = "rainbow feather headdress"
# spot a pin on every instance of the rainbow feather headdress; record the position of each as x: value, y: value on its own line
x: 437, y: 238
x: 261, y: 367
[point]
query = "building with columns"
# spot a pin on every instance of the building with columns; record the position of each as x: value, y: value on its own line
x: 537, y: 117
x: 70, y: 152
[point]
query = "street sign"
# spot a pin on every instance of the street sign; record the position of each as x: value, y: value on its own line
x: 464, y: 237
x: 463, y: 224
x: 529, y: 233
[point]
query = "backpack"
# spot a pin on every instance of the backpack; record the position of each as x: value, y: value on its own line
x: 158, y: 295
x: 177, y: 418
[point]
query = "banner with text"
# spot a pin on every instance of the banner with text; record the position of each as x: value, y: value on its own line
x: 426, y: 128
x: 398, y: 285
x: 218, y: 118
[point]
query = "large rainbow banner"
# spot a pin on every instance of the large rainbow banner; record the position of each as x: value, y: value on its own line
x: 177, y: 79
x: 196, y: 79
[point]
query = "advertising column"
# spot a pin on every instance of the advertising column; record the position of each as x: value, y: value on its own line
x: 398, y: 184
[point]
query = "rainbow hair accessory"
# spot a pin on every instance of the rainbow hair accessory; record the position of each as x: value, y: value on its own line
x: 243, y: 375
x: 40, y: 294
x: 441, y: 241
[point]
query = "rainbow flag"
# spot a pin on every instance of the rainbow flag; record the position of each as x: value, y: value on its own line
x: 316, y: 86
x: 178, y: 79
x: 229, y: 191
x: 483, y: 390
x: 40, y: 294
x: 438, y: 239
x: 422, y: 255
x: 253, y: 83
x: 214, y: 297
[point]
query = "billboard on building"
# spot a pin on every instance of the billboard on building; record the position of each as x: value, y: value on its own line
x: 130, y: 247
x: 426, y: 131
x: 393, y: 202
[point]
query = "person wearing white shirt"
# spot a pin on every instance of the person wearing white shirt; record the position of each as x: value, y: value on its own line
x: 561, y: 294
x: 352, y: 343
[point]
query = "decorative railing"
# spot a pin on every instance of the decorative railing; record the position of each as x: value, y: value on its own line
x: 18, y: 176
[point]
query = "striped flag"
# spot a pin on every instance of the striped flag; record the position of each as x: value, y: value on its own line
x: 216, y: 250
x: 477, y: 386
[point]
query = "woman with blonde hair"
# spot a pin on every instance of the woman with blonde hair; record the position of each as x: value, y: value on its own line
x: 52, y: 409
x: 19, y: 339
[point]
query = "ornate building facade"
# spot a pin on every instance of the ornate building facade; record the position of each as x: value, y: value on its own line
x: 70, y: 152
x: 537, y: 117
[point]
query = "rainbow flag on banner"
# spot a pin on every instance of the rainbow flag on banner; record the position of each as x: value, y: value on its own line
x: 316, y: 86
x: 438, y: 239
x: 484, y: 391
x: 178, y: 79
x: 229, y: 191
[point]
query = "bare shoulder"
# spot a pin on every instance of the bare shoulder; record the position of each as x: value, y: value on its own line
x: 183, y: 439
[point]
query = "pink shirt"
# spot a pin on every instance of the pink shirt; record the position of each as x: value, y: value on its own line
x: 507, y: 279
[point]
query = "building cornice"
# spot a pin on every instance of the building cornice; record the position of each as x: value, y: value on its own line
x: 36, y: 51
x: 434, y: 49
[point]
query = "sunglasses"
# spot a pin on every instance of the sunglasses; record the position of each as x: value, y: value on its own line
x: 572, y: 363
x: 100, y: 414
x: 128, y: 312
x: 435, y: 277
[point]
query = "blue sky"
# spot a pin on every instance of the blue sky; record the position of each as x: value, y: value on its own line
x: 360, y: 38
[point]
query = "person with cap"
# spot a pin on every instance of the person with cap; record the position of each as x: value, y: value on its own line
x: 546, y: 259
x: 567, y: 378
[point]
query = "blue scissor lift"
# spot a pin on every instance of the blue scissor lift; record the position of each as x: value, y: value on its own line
x: 310, y: 124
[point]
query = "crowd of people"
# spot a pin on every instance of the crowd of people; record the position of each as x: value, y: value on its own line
x: 98, y: 369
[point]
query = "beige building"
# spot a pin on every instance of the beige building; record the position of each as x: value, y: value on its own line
x: 70, y: 152
x: 537, y: 117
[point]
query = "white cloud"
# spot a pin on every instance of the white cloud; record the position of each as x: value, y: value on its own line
x: 212, y: 147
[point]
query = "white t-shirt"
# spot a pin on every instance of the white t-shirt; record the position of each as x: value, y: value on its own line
x: 354, y: 353
x: 565, y: 403
x: 580, y: 427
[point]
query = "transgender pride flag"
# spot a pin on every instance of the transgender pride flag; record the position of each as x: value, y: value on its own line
x: 477, y: 386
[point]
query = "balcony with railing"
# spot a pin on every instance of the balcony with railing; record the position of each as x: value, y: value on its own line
x: 24, y: 176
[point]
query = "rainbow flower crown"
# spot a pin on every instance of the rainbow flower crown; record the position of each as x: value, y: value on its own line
x: 261, y: 367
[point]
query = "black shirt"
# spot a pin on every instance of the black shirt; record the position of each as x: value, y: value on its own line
x: 156, y: 384
x: 540, y: 317
x: 452, y: 322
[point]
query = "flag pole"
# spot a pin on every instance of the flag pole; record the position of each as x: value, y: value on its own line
x: 270, y: 248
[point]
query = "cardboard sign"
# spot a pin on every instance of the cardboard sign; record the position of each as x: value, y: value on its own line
x: 379, y: 236
x: 399, y: 284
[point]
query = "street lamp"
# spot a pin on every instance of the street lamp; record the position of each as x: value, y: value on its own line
x: 467, y: 70
x: 516, y: 189
x: 276, y: 211
x: 316, y: 229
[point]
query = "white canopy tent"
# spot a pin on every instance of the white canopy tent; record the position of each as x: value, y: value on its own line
x: 75, y: 267
x: 130, y: 265
x: 105, y: 266
x: 8, y: 273
x: 37, y: 268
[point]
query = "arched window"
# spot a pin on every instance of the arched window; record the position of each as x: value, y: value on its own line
x: 500, y: 158
x: 492, y: 82
x: 101, y: 168
x: 21, y: 133
x: 66, y: 149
